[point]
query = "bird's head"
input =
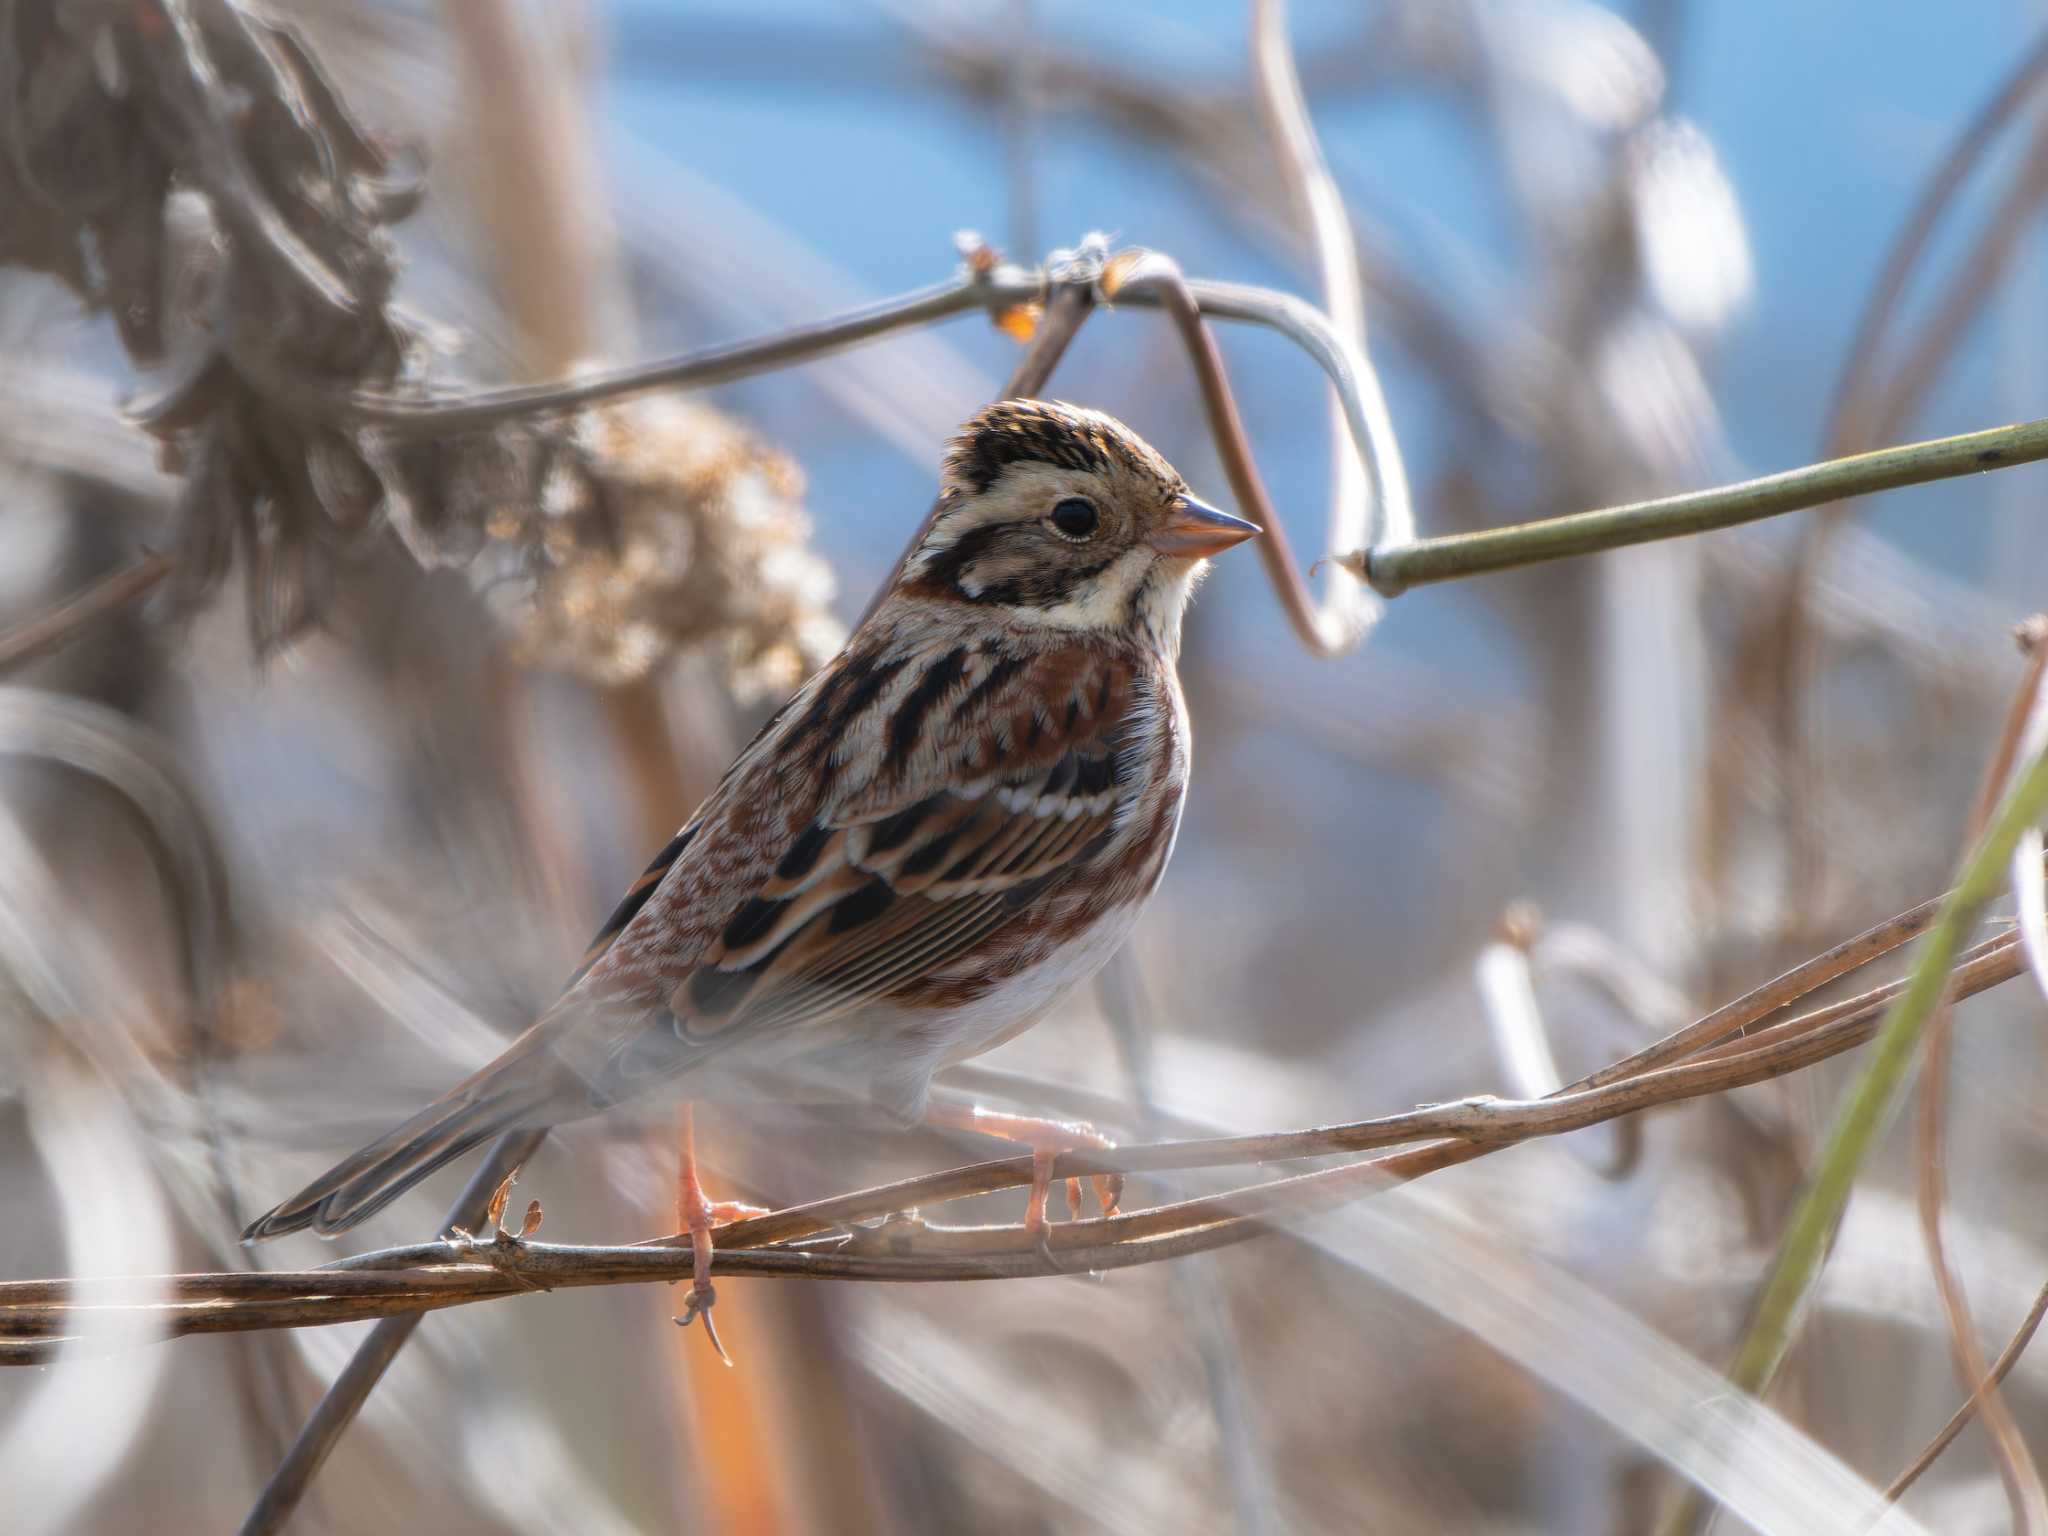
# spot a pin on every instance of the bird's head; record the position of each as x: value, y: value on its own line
x: 1063, y: 517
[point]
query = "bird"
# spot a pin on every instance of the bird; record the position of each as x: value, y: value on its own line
x: 948, y: 828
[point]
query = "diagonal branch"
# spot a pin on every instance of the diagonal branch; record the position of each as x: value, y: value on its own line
x: 1870, y: 1101
x: 2000, y: 1368
x: 57, y: 627
x: 366, y: 1367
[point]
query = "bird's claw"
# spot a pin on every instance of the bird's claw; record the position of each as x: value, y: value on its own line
x: 1109, y: 1193
x: 1047, y: 1142
x: 698, y: 1304
x: 1043, y: 1232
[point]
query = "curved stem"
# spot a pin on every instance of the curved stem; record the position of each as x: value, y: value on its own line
x: 1368, y: 482
x: 1151, y: 274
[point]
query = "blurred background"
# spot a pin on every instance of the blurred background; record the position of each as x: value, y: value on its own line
x: 296, y: 843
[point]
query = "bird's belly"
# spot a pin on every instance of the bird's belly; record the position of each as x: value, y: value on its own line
x: 887, y: 1055
x: 1012, y: 1007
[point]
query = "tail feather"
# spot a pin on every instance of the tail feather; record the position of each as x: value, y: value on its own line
x: 364, y: 1184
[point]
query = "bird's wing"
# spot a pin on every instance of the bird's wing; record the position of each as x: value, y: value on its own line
x: 891, y: 839
x: 876, y: 847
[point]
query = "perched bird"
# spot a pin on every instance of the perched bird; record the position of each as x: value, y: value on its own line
x: 948, y: 828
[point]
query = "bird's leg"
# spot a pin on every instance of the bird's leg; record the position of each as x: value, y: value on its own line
x: 697, y: 1215
x: 1047, y: 1139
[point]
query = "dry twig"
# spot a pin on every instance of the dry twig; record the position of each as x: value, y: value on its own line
x: 827, y: 1239
x: 56, y: 627
x: 2000, y: 1369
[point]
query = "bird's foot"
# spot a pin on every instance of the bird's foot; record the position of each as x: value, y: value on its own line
x: 697, y: 1215
x: 723, y: 1213
x: 1047, y: 1139
x: 700, y: 1216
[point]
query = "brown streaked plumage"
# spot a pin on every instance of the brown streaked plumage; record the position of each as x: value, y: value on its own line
x: 946, y: 829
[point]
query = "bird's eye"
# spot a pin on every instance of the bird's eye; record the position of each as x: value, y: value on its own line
x: 1075, y: 518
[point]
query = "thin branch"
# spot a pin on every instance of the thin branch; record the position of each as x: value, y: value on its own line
x: 816, y: 1241
x: 1153, y: 275
x: 50, y: 631
x: 366, y: 1367
x: 2001, y: 1368
x: 1761, y: 1002
x: 1394, y: 570
x: 434, y: 417
x: 1939, y: 191
x: 998, y: 289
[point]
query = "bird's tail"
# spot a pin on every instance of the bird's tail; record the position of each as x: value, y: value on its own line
x: 364, y: 1184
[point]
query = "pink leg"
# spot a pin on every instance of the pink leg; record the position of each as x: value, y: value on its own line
x: 697, y: 1215
x: 1047, y: 1139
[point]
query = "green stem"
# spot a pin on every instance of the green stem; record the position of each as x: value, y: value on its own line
x: 1871, y: 1101
x: 1394, y: 569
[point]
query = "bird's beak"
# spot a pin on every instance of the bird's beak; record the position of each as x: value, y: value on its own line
x: 1196, y: 530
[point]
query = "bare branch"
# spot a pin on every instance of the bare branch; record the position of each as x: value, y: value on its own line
x: 1846, y: 423
x: 2000, y: 1369
x: 52, y: 630
x: 351, y: 1389
x: 824, y: 1240
x: 435, y: 416
x: 1154, y: 275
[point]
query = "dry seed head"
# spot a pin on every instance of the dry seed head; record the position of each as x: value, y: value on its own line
x: 693, y: 537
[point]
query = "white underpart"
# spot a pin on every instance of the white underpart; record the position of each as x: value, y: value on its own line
x: 1026, y: 997
x: 904, y: 1062
x: 1149, y: 704
x: 1101, y: 602
x: 1106, y: 601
